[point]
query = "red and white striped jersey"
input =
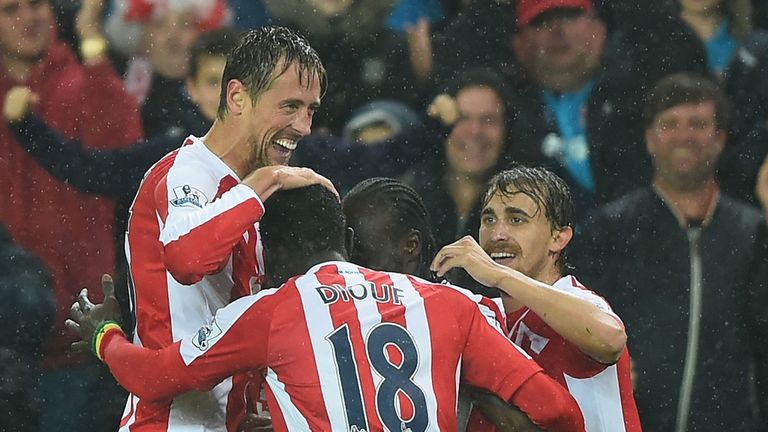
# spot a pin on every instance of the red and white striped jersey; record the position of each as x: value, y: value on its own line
x: 193, y: 247
x: 345, y: 348
x: 603, y: 392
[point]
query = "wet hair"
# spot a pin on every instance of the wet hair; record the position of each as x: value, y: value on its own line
x: 303, y: 222
x: 264, y: 54
x: 404, y: 210
x: 215, y: 43
x: 545, y: 188
x: 686, y: 88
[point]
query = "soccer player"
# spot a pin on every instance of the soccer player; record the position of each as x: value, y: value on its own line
x: 344, y: 348
x: 526, y: 224
x: 192, y: 243
x: 391, y: 231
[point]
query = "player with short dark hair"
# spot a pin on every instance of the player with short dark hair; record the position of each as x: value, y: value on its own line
x: 343, y: 347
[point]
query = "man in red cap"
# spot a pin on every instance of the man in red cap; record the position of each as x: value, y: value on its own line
x: 578, y: 98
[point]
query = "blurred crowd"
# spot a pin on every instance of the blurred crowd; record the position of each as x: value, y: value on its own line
x: 655, y: 113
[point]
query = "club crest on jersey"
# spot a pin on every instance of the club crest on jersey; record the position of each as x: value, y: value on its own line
x: 207, y: 335
x: 187, y: 196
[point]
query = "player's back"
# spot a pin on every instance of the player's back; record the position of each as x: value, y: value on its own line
x: 356, y: 349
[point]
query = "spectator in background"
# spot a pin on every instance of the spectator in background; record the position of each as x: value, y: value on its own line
x: 368, y: 60
x: 156, y: 36
x: 758, y: 295
x: 116, y: 173
x: 737, y: 56
x: 674, y: 259
x: 466, y: 154
x: 72, y: 233
x: 578, y: 97
x: 28, y: 309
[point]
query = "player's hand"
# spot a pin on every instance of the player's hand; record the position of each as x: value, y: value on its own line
x: 19, y: 101
x: 256, y: 423
x: 85, y: 317
x: 268, y: 180
x: 761, y: 188
x: 444, y: 108
x: 467, y: 254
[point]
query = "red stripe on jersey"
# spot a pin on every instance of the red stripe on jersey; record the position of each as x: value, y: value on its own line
x: 288, y: 322
x: 153, y: 327
x: 392, y: 313
x: 628, y: 406
x: 248, y: 279
x: 236, y: 402
x: 435, y: 306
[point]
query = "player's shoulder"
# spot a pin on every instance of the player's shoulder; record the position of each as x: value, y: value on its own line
x: 570, y: 284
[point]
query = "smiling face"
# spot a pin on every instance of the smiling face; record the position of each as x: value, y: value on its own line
x: 280, y: 117
x: 476, y: 140
x: 685, y: 144
x: 515, y: 232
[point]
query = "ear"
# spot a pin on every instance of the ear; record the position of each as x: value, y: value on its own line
x: 237, y: 96
x: 561, y: 239
x: 650, y: 139
x: 721, y: 138
x: 349, y: 240
x: 412, y: 245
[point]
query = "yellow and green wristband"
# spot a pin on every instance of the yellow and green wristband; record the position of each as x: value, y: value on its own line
x: 105, y: 328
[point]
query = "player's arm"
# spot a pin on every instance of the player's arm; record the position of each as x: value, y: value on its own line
x: 199, y: 229
x: 490, y: 361
x: 235, y: 341
x: 595, y: 331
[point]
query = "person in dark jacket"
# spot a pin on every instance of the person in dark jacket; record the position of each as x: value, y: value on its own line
x: 578, y: 91
x: 737, y: 56
x: 27, y: 309
x: 674, y: 259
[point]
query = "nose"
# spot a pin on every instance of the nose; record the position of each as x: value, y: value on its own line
x: 303, y: 123
x: 499, y: 232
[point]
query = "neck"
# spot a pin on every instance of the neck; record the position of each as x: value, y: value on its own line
x: 693, y: 203
x: 227, y: 140
x: 464, y: 189
x: 303, y: 265
x: 704, y: 23
x: 18, y: 69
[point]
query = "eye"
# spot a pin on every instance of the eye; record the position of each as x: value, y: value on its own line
x: 487, y: 219
x: 291, y: 107
x: 515, y: 220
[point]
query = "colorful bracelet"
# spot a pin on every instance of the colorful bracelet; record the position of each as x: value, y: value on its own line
x: 98, y: 336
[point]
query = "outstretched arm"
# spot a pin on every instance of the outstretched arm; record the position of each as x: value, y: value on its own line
x: 235, y: 341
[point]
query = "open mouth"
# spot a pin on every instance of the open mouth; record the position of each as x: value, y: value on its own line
x: 502, y: 256
x: 286, y: 143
